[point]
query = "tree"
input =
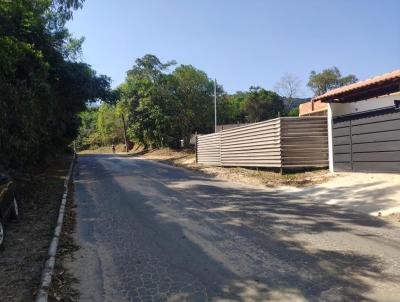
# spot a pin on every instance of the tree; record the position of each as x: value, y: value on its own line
x: 194, y: 92
x: 163, y: 107
x: 328, y: 79
x: 108, y: 125
x: 42, y: 84
x: 148, y: 97
x: 288, y: 87
x: 261, y: 104
x: 88, y: 136
x: 231, y: 108
x: 294, y: 112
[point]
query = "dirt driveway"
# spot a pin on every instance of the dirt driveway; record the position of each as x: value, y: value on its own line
x: 152, y: 232
x: 370, y: 193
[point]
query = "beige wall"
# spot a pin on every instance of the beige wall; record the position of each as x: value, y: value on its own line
x: 316, y: 109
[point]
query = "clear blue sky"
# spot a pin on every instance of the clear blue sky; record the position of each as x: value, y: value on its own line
x: 246, y: 42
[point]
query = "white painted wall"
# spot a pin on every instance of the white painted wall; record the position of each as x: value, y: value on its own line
x: 365, y: 105
x: 330, y: 140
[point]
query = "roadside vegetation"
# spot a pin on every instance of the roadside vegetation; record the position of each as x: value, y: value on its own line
x: 44, y: 84
x: 160, y: 104
x: 43, y: 81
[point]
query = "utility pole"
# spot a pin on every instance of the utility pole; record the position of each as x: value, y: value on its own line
x: 123, y: 123
x: 215, y: 105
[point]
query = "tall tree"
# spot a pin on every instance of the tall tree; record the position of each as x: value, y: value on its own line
x: 231, y: 109
x: 195, y: 96
x: 88, y: 135
x: 261, y: 104
x: 328, y: 79
x: 148, y: 97
x: 108, y: 125
x: 42, y: 85
x: 288, y: 87
x: 163, y: 107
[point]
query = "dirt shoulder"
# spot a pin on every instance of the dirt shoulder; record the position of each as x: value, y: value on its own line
x: 63, y: 280
x: 187, y: 159
x: 39, y: 194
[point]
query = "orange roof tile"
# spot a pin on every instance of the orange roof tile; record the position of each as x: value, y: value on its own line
x: 358, y: 86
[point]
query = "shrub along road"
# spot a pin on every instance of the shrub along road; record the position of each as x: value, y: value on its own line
x: 152, y: 232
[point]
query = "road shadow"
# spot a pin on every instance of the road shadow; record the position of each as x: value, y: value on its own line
x: 219, y: 241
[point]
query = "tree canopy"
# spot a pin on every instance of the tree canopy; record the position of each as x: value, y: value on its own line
x: 288, y: 87
x: 45, y: 87
x: 261, y: 105
x: 43, y: 84
x: 164, y: 103
x: 328, y: 79
x: 163, y: 107
x: 99, y: 126
x: 231, y: 108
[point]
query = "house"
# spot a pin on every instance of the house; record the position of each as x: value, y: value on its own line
x: 364, y: 124
x: 313, y: 108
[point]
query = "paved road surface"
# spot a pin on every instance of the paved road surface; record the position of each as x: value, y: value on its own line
x: 151, y: 232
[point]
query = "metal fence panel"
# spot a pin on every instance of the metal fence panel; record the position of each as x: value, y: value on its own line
x: 277, y: 143
x: 255, y: 145
x: 209, y: 149
x: 304, y: 142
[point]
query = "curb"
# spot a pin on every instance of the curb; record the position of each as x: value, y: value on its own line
x: 48, y: 270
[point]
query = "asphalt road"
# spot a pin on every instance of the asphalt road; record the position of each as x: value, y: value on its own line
x: 151, y: 232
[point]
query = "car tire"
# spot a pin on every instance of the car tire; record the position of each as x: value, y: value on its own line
x: 2, y: 234
x: 15, y: 209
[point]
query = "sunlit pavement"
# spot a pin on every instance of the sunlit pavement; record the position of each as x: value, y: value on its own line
x: 151, y: 232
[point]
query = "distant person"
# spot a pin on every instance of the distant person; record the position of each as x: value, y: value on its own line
x: 113, y: 148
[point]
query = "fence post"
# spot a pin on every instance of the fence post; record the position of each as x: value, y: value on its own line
x: 220, y: 147
x: 195, y: 146
x: 281, y: 125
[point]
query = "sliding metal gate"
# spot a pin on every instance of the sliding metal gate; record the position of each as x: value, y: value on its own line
x: 368, y: 141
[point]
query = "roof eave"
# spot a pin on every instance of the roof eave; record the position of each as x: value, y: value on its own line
x: 362, y: 93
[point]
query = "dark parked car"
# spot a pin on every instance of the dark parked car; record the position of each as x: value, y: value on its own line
x: 8, y: 203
